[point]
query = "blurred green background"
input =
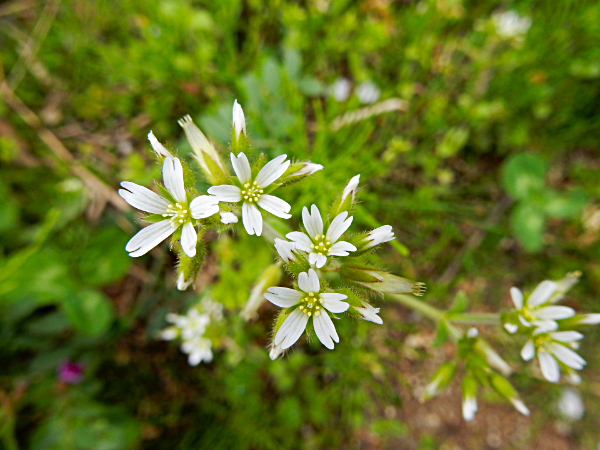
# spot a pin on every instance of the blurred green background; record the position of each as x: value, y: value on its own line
x: 485, y: 160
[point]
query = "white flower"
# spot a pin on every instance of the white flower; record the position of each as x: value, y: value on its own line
x: 367, y: 92
x: 309, y: 303
x: 535, y: 312
x: 553, y: 348
x: 320, y: 245
x: 239, y: 121
x: 379, y: 236
x: 193, y: 324
x: 159, y: 149
x: 250, y: 191
x: 308, y: 169
x: 369, y: 313
x: 228, y: 217
x: 212, y: 308
x: 469, y: 407
x: 571, y: 404
x: 340, y: 89
x: 176, y: 213
x: 351, y: 188
x: 286, y: 250
x: 510, y: 25
x: 198, y: 350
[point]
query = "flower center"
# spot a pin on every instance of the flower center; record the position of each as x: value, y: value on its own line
x: 252, y: 192
x: 321, y: 245
x: 542, y: 341
x: 178, y: 213
x: 312, y: 304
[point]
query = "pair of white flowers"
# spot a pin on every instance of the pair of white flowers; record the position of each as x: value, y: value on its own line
x: 190, y: 328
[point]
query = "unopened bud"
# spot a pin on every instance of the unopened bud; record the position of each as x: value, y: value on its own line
x: 239, y: 121
x: 350, y: 188
x: 441, y: 378
x: 484, y: 350
x: 158, y: 148
x: 209, y: 160
x: 469, y: 394
x: 380, y: 281
x: 506, y: 390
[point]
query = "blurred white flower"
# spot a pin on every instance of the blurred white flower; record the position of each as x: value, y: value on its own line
x: 250, y: 191
x: 310, y: 303
x: 198, y: 349
x: 191, y: 325
x: 318, y: 245
x: 175, y: 213
x: 510, y: 25
x: 553, y: 348
x: 571, y: 405
x: 367, y: 92
x: 340, y: 89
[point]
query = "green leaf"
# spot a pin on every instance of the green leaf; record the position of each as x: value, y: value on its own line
x: 528, y: 224
x: 565, y: 206
x: 89, y: 311
x: 459, y: 305
x: 104, y: 260
x: 441, y: 334
x: 523, y: 175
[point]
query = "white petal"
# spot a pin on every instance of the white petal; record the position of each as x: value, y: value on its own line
x: 568, y: 357
x: 228, y: 217
x: 341, y: 248
x: 325, y: 330
x: 308, y: 169
x: 149, y: 237
x: 523, y: 321
x: 544, y: 326
x: 283, y: 297
x: 469, y: 408
x: 285, y: 249
x: 555, y: 312
x: 520, y: 406
x: 188, y: 239
x: 369, y: 313
x: 252, y: 219
x: 157, y: 146
x: 302, y: 241
x: 142, y: 198
x: 320, y: 261
x: 517, y: 297
x: 331, y: 302
x: 271, y: 171
x: 549, y: 366
x: 312, y: 221
x: 241, y: 167
x: 338, y: 226
x: 379, y: 235
x: 309, y: 282
x: 292, y: 329
x: 590, y: 319
x: 566, y: 336
x: 528, y: 351
x: 541, y: 293
x: 511, y: 327
x: 204, y: 206
x: 226, y: 193
x: 275, y: 206
x: 173, y: 178
x: 182, y: 283
x: 350, y: 188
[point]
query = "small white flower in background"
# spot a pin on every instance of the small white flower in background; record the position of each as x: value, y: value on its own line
x: 286, y: 250
x: 191, y: 325
x: 212, y: 308
x: 379, y: 236
x: 250, y: 192
x: 340, y: 89
x: 228, y: 217
x: 176, y: 214
x: 472, y: 332
x: 239, y: 121
x: 535, y: 312
x: 159, y: 149
x: 198, y: 349
x: 308, y: 169
x: 571, y: 405
x: 367, y: 92
x: 369, y: 313
x: 351, y: 188
x: 310, y: 303
x: 318, y: 245
x: 510, y: 25
x: 553, y: 348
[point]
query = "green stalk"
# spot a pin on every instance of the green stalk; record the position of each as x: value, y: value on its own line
x: 476, y: 318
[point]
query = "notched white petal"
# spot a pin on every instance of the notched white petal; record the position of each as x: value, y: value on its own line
x: 275, y: 206
x: 173, y: 178
x: 241, y: 167
x: 189, y: 238
x: 149, y: 237
x: 142, y: 198
x: 226, y: 193
x: 312, y: 221
x: 252, y: 219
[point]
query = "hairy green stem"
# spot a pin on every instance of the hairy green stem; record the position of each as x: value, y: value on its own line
x: 476, y: 318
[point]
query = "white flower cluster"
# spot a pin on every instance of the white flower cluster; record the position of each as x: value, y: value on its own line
x: 191, y: 330
x: 510, y: 25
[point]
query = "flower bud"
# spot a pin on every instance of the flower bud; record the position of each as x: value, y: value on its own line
x: 483, y: 349
x: 209, y: 160
x: 469, y: 394
x: 441, y: 378
x: 379, y: 280
x: 350, y: 188
x: 158, y: 148
x: 188, y: 267
x: 345, y: 201
x: 239, y: 121
x: 505, y: 389
x: 268, y: 278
